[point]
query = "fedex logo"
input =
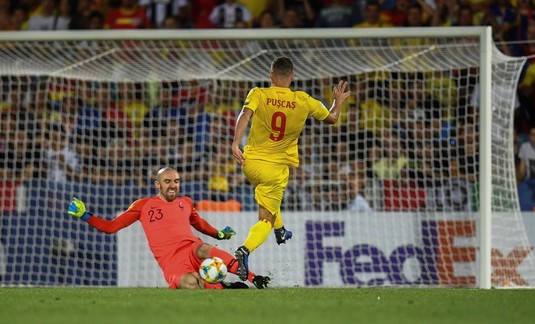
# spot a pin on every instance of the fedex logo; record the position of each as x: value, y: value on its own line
x: 436, y: 257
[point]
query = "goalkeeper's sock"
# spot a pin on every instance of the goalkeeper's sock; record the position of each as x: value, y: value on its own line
x: 258, y: 234
x: 278, y: 223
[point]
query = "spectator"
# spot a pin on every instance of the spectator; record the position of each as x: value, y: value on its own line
x: 526, y: 187
x: 228, y: 13
x: 159, y: 11
x: 132, y: 102
x: 156, y: 128
x: 304, y: 11
x: 358, y: 202
x: 89, y: 115
x: 183, y: 153
x: 428, y: 8
x: 6, y: 23
x: 38, y: 106
x: 336, y: 15
x: 339, y: 163
x: 96, y: 20
x: 415, y: 17
x: 373, y: 116
x: 444, y: 13
x: 66, y: 113
x: 222, y: 172
x: 266, y: 19
x: 91, y: 167
x: 19, y: 18
x: 129, y: 15
x: 172, y: 22
x: 527, y: 96
x: 63, y: 15
x: 398, y: 15
x: 201, y: 13
x: 80, y: 16
x: 290, y: 19
x: 193, y: 97
x: 465, y: 17
x: 468, y: 150
x: 19, y: 155
x: 525, y: 15
x: 179, y: 144
x: 527, y: 48
x: 224, y: 101
x: 60, y: 161
x: 46, y: 19
x: 120, y: 163
x: 32, y: 8
x: 165, y: 109
x: 393, y: 160
x: 372, y: 19
x: 115, y: 123
x: 502, y: 17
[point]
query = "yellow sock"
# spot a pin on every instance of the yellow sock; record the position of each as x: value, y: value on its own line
x: 258, y: 234
x: 278, y: 223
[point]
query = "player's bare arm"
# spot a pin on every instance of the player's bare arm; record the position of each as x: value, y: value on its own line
x: 339, y: 96
x: 239, y: 132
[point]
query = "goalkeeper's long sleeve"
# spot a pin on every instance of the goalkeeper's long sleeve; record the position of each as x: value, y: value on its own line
x: 125, y: 219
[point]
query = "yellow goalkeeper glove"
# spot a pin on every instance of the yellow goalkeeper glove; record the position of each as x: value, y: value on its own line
x: 77, y: 209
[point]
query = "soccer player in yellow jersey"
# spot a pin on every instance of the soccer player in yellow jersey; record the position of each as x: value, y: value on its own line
x: 279, y: 117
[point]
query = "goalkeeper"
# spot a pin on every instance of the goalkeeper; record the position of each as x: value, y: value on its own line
x: 167, y: 220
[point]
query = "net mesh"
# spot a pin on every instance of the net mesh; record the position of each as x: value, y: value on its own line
x: 386, y: 196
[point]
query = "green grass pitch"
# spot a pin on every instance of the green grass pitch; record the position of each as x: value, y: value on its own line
x: 285, y: 305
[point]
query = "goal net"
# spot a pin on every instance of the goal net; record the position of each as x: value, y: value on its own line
x: 393, y: 194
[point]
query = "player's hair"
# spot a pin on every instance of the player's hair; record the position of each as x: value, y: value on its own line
x: 282, y: 65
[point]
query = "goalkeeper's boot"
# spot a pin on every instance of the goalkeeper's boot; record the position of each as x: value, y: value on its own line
x: 261, y: 282
x: 242, y: 255
x: 282, y: 235
x: 234, y: 285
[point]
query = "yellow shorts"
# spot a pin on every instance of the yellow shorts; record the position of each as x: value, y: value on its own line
x: 269, y: 179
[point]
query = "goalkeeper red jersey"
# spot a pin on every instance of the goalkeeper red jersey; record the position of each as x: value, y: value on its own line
x: 167, y: 225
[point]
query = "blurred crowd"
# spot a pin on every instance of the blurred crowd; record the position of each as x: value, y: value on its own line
x: 510, y: 19
x: 393, y: 133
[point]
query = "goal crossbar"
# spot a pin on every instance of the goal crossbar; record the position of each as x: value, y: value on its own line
x: 243, y: 34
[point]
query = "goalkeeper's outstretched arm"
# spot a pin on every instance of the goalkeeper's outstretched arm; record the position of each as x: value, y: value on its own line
x: 77, y: 209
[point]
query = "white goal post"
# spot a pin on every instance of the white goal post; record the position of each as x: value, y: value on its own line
x: 408, y: 201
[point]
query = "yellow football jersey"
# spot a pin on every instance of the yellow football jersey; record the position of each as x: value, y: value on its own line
x: 279, y: 117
